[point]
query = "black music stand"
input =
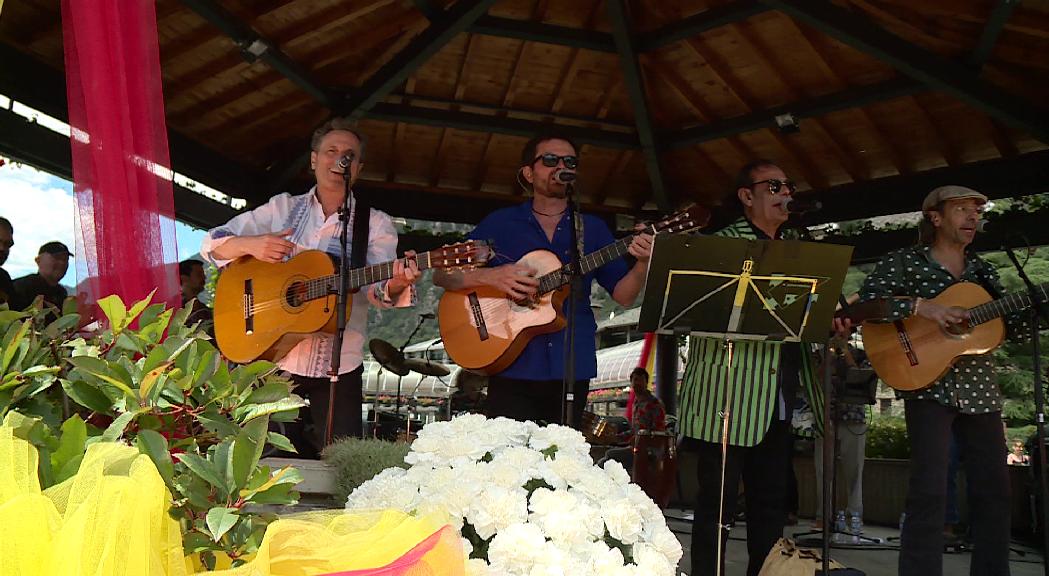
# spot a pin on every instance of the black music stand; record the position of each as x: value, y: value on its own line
x: 737, y: 289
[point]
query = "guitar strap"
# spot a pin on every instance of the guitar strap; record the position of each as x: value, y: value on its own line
x: 361, y: 214
x: 578, y: 233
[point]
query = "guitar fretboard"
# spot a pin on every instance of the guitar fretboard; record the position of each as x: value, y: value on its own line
x: 1005, y: 305
x: 325, y: 285
x: 592, y: 261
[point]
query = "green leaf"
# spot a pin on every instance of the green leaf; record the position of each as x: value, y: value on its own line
x: 202, y: 468
x: 104, y: 371
x: 157, y: 356
x: 138, y: 307
x: 220, y: 520
x: 152, y: 444
x: 281, y: 442
x: 286, y: 475
x: 116, y: 429
x: 87, y: 395
x: 113, y: 307
x: 245, y: 375
x: 269, y: 392
x: 245, y: 413
x: 70, y: 445
x: 277, y: 494
x: 247, y: 449
x: 216, y: 423
x: 221, y: 456
x: 12, y: 343
x: 61, y: 326
x: 194, y: 542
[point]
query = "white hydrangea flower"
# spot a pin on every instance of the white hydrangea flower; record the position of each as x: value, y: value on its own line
x: 478, y: 567
x: 651, y: 561
x: 616, y: 472
x: 495, y: 508
x: 476, y: 470
x: 516, y: 549
x: 623, y: 521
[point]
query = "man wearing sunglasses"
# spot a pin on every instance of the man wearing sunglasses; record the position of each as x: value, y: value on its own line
x: 759, y: 434
x: 530, y: 388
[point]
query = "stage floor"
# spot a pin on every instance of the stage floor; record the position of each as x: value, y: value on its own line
x: 874, y: 559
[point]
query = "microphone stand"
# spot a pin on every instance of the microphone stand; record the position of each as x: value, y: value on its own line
x: 568, y: 383
x: 400, y: 351
x: 1038, y: 313
x: 341, y: 294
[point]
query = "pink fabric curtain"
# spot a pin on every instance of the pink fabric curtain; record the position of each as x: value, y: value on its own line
x: 125, y: 227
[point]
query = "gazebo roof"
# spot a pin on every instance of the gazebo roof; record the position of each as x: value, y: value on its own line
x: 885, y: 98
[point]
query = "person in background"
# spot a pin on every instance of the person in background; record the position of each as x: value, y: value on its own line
x: 7, y: 286
x: 52, y: 263
x: 649, y: 414
x: 1018, y: 456
x: 191, y: 278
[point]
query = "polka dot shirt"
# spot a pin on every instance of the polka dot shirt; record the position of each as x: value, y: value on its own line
x: 971, y: 384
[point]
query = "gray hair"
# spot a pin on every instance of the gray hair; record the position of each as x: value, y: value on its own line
x: 337, y: 123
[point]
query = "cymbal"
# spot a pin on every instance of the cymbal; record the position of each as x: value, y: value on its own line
x: 426, y: 367
x: 389, y: 357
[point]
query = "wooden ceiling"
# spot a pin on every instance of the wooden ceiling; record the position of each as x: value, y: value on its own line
x: 667, y: 97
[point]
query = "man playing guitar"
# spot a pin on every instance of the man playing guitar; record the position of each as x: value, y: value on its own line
x: 287, y: 225
x: 530, y: 388
x: 966, y: 398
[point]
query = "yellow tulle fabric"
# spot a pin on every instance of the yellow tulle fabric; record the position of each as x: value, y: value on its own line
x: 111, y: 519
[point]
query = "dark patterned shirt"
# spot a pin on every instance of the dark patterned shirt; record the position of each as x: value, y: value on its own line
x: 649, y: 414
x: 971, y: 384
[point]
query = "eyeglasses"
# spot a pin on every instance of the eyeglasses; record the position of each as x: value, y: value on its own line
x: 550, y: 160
x: 775, y: 185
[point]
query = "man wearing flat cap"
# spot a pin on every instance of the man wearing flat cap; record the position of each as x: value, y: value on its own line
x: 966, y: 398
x: 52, y: 262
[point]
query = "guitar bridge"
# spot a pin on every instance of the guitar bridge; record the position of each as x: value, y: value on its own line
x: 475, y: 311
x: 905, y: 342
x: 249, y: 305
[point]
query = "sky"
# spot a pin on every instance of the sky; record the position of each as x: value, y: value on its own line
x: 40, y: 207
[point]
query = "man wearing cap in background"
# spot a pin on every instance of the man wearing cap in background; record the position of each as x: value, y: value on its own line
x: 52, y: 262
x: 966, y: 398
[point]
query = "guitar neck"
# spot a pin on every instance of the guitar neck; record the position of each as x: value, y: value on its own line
x: 358, y: 277
x: 558, y: 278
x: 1005, y: 305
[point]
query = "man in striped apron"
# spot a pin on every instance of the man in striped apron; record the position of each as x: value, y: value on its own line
x: 761, y: 382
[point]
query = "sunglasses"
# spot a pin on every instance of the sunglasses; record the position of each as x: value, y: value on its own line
x: 775, y: 185
x: 550, y: 160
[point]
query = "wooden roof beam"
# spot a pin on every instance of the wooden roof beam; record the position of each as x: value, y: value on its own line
x: 699, y: 23
x: 487, y: 123
x: 544, y: 33
x: 395, y: 71
x: 843, y: 100
x: 254, y: 47
x: 998, y: 178
x: 927, y: 67
x: 635, y: 85
x: 991, y: 31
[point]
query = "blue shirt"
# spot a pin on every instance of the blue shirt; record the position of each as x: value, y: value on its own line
x: 515, y: 232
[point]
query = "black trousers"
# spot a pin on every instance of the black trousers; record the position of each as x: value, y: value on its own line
x: 535, y: 400
x: 981, y: 440
x: 346, y: 419
x: 763, y: 469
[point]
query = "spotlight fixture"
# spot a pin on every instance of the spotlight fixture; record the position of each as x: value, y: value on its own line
x: 787, y: 123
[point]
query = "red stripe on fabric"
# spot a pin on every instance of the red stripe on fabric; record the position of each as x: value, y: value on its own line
x: 399, y: 566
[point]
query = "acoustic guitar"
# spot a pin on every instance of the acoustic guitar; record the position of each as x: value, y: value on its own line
x: 913, y: 353
x: 263, y: 310
x: 485, y: 330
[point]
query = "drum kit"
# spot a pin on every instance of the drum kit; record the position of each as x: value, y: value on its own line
x: 392, y: 360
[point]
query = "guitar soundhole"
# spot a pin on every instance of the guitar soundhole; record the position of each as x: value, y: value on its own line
x: 959, y: 330
x: 295, y: 296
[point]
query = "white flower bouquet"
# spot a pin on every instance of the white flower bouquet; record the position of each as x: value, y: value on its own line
x: 528, y: 501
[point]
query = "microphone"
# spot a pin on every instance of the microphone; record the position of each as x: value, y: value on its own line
x: 981, y: 226
x: 565, y: 176
x: 344, y: 162
x: 802, y: 205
